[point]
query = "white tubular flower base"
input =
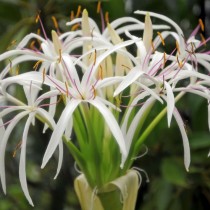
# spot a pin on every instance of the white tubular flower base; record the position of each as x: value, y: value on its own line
x: 119, y: 194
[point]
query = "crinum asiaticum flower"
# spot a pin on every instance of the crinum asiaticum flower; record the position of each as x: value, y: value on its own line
x: 33, y: 108
x: 85, y: 84
x: 159, y: 75
x: 85, y: 91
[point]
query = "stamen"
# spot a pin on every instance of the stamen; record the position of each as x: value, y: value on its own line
x: 75, y: 27
x: 43, y: 75
x: 153, y: 46
x: 203, y: 39
x: 72, y: 15
x: 18, y: 146
x: 164, y: 59
x: 94, y: 92
x: 95, y: 58
x: 42, y: 26
x: 38, y: 31
x: 126, y: 67
x: 179, y: 62
x: 37, y: 17
x: 98, y: 7
x: 177, y: 47
x: 12, y: 43
x: 37, y: 64
x: 135, y: 105
x: 78, y: 11
x: 107, y: 17
x: 193, y: 47
x: 161, y: 38
x: 32, y: 45
x: 100, y: 73
x: 55, y: 22
x: 201, y: 24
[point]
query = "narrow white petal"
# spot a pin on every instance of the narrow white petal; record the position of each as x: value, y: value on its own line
x: 151, y: 92
x: 27, y: 52
x: 79, y: 20
x: 191, y: 90
x: 27, y: 38
x: 47, y: 117
x: 130, y: 108
x: 2, y: 130
x: 184, y: 138
x: 3, y: 144
x: 170, y: 102
x: 11, y: 109
x: 70, y: 69
x: 108, y: 81
x: 136, y: 120
x: 15, y: 62
x: 69, y: 127
x: 34, y: 79
x: 155, y: 63
x: 22, y: 166
x: 59, y: 129
x: 120, y: 21
x: 112, y: 123
x: 109, y: 104
x: 131, y: 77
x: 60, y: 158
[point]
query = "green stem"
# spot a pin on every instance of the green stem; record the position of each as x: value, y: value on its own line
x: 111, y: 200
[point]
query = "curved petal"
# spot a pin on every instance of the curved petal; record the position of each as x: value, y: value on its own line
x: 170, y: 102
x: 28, y: 37
x: 60, y: 158
x: 184, y: 138
x: 2, y: 129
x: 22, y: 166
x: 59, y: 129
x: 136, y: 120
x: 131, y: 77
x: 3, y: 144
x: 129, y: 110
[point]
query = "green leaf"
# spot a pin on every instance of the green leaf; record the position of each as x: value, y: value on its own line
x: 173, y: 171
x: 200, y: 140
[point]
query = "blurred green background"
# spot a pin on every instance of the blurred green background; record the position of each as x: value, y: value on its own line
x: 170, y: 186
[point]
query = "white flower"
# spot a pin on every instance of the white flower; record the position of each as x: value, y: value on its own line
x: 32, y: 109
x: 85, y: 91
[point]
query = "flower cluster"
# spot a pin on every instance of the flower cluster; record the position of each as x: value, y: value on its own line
x: 106, y: 82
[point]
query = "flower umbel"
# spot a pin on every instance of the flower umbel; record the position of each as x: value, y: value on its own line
x: 105, y: 88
